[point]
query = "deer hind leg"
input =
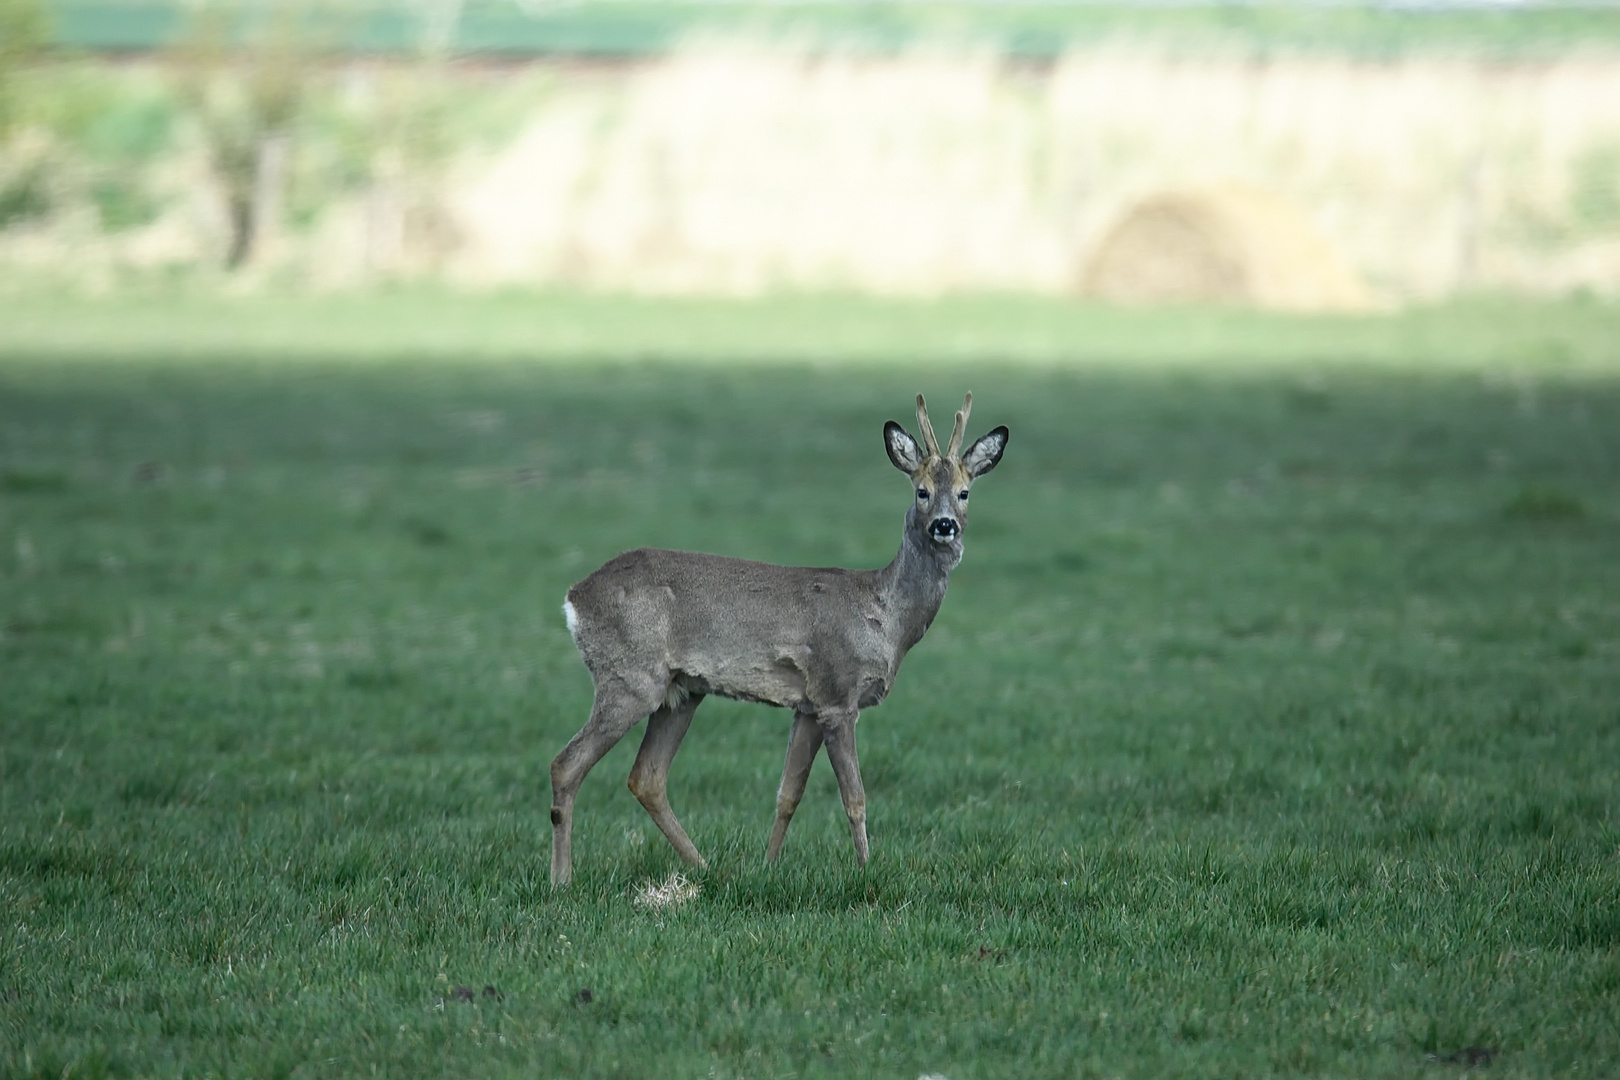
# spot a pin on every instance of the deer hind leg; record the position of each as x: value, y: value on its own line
x: 619, y: 705
x: 649, y: 778
x: 838, y: 729
x: 803, y: 743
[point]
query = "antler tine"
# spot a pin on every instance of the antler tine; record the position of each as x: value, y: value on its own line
x: 961, y: 426
x: 927, y: 428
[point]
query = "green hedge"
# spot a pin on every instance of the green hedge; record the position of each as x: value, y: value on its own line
x: 630, y: 27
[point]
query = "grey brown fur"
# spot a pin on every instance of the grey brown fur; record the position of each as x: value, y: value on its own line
x: 659, y: 630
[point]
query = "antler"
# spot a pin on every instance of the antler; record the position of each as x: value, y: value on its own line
x: 927, y: 428
x: 961, y: 426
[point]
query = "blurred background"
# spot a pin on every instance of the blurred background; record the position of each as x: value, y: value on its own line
x: 1301, y: 156
x: 1269, y: 729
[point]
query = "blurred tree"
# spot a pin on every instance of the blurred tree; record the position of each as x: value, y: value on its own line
x: 416, y: 136
x: 24, y: 193
x: 22, y: 36
x: 245, y: 72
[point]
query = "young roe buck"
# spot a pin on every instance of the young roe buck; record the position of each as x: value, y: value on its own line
x: 661, y: 629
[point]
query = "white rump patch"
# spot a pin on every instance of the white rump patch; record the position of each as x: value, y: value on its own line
x: 573, y: 620
x: 673, y: 892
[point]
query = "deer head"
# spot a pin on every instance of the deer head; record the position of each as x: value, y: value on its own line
x: 941, y: 479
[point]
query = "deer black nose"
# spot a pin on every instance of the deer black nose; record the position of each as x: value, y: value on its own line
x: 943, y: 528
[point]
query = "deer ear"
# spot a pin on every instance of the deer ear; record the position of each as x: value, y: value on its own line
x: 983, y: 455
x: 903, y: 449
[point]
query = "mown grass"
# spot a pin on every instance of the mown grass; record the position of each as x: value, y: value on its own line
x: 1270, y: 727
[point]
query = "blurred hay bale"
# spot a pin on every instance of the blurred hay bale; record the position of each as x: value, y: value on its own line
x: 1233, y: 245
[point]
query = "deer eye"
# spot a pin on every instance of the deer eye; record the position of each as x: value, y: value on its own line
x: 922, y: 493
x: 962, y: 495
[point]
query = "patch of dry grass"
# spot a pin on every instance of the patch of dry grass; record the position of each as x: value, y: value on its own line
x: 675, y: 891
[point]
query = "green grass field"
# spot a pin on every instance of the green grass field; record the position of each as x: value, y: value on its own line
x: 1271, y: 727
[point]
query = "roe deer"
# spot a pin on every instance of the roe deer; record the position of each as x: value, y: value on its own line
x: 661, y: 629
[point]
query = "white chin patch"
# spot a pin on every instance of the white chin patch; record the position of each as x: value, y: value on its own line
x: 573, y: 620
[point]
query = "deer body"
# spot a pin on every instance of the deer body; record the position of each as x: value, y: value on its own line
x: 714, y: 625
x: 659, y: 630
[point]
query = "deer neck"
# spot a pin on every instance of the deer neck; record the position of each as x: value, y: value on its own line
x: 913, y: 586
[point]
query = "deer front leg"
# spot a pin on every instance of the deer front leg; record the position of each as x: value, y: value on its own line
x: 838, y: 731
x: 649, y: 778
x: 803, y: 743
